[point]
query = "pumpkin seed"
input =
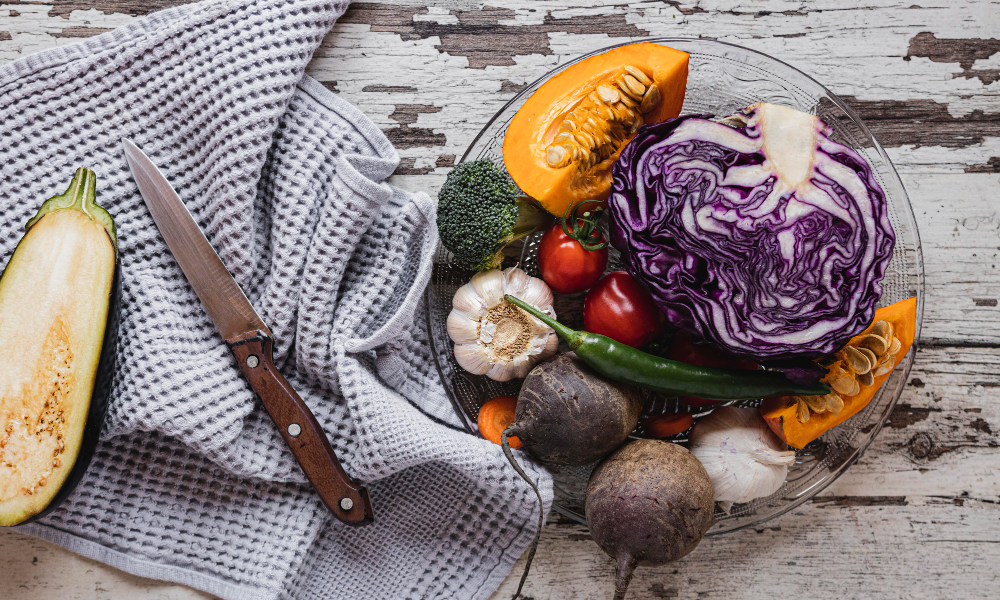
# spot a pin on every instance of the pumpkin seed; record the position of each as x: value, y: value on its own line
x: 630, y: 102
x: 608, y: 94
x: 833, y: 403
x: 866, y: 379
x: 844, y: 383
x: 881, y: 371
x: 557, y: 156
x: 650, y: 99
x: 605, y: 112
x: 815, y: 403
x: 802, y: 410
x: 872, y: 359
x: 585, y: 139
x: 875, y: 343
x: 632, y: 87
x: 895, y: 346
x: 610, y: 114
x: 857, y: 360
x: 638, y: 74
x: 882, y: 329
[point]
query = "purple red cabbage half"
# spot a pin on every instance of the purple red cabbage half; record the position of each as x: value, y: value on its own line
x: 761, y: 235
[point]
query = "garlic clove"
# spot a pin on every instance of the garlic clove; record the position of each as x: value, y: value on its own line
x: 742, y: 456
x: 468, y: 301
x: 489, y: 286
x: 502, y: 371
x: 515, y: 281
x: 470, y: 356
x: 462, y: 327
x: 551, y: 346
x: 522, y: 366
x: 537, y: 293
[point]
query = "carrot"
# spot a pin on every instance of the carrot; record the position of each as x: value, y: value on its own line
x: 495, y: 416
x: 662, y: 426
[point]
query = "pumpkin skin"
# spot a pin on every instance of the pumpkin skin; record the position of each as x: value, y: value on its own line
x: 538, y: 121
x: 780, y: 413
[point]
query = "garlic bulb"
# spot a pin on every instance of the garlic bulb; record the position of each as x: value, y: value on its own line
x: 743, y: 457
x: 494, y: 337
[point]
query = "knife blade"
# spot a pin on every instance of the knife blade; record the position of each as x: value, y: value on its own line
x: 250, y: 340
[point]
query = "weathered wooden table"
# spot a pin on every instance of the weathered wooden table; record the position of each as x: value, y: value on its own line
x: 919, y: 515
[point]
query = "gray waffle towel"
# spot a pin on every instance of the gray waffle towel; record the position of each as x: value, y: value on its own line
x: 191, y: 482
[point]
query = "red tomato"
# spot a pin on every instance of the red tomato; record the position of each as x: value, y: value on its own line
x: 566, y: 265
x: 684, y: 350
x: 623, y: 310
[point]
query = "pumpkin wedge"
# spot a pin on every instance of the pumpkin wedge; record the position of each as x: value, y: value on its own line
x: 59, y: 299
x: 856, y: 373
x: 561, y: 144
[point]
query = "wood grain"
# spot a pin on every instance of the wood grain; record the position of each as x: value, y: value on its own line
x: 919, y: 515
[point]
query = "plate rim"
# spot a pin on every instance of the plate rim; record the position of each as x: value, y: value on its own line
x: 918, y: 271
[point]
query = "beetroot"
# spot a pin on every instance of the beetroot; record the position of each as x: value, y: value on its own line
x: 567, y: 415
x: 649, y: 503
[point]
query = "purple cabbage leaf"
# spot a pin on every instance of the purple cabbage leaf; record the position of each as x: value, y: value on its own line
x: 759, y: 233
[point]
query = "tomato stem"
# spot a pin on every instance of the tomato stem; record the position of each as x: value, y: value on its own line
x: 585, y: 228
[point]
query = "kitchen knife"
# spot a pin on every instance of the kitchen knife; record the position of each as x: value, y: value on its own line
x: 250, y: 341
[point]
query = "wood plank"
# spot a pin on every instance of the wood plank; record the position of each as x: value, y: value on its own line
x: 927, y: 97
x: 930, y: 96
x: 35, y: 569
x: 917, y: 516
x: 825, y: 550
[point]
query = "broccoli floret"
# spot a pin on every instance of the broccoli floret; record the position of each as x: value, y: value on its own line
x: 480, y: 211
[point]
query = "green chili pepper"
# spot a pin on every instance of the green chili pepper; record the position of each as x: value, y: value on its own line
x: 626, y: 364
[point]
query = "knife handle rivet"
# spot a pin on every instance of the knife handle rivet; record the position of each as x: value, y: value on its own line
x: 294, y: 430
x: 253, y: 361
x: 346, y: 503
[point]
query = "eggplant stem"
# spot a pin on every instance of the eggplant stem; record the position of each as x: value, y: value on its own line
x: 541, y: 508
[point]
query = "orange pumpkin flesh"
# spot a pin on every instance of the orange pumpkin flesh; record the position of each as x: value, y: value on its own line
x: 780, y: 413
x: 570, y: 96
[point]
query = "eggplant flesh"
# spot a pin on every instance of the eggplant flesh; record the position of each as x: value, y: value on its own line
x: 59, y: 299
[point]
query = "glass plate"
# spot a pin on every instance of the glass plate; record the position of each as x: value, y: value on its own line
x: 722, y: 78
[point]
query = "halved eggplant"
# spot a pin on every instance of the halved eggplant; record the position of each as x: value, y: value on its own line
x: 59, y: 305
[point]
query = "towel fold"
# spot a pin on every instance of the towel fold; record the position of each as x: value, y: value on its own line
x: 191, y: 482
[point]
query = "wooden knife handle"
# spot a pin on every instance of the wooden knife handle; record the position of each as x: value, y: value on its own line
x: 348, y: 501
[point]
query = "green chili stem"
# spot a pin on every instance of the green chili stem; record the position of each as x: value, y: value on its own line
x: 573, y: 337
